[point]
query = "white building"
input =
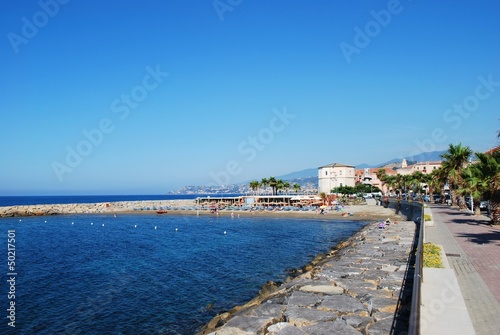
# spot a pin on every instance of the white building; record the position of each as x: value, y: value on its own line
x: 335, y: 175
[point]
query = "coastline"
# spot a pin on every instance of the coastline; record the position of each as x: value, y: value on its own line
x: 187, y: 207
x: 360, y: 287
x: 305, y: 280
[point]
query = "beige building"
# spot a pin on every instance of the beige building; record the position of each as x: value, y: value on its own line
x: 335, y: 175
x: 369, y: 176
x: 424, y: 167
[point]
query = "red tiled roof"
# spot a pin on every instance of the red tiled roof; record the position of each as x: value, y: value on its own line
x: 492, y: 151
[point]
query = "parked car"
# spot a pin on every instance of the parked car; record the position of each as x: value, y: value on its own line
x: 484, y: 205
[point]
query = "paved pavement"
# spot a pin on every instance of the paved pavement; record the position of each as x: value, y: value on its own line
x: 472, y: 247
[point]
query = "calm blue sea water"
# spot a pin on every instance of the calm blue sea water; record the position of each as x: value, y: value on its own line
x: 77, y: 199
x: 81, y: 274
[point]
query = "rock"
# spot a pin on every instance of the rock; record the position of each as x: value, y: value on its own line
x: 247, y: 325
x: 266, y: 310
x: 331, y: 328
x: 284, y: 328
x: 268, y: 288
x: 303, y: 299
x: 357, y: 321
x: 390, y: 268
x: 325, y: 289
x: 385, y: 305
x: 231, y: 331
x: 216, y: 322
x: 301, y: 316
x: 381, y: 327
x: 342, y: 303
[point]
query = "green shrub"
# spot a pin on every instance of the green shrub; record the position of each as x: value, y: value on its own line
x: 427, y: 217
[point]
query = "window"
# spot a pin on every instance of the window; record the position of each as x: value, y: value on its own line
x: 326, y: 173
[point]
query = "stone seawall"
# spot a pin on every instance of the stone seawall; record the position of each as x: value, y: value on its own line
x: 92, y: 208
x: 410, y: 210
x: 362, y: 287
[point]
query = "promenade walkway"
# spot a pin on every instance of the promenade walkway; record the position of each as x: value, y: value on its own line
x: 472, y: 247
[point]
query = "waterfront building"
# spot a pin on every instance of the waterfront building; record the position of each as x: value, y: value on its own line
x: 335, y: 175
x: 369, y: 176
x: 424, y: 167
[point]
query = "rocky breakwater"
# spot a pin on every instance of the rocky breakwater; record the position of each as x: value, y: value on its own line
x: 91, y: 208
x: 359, y: 288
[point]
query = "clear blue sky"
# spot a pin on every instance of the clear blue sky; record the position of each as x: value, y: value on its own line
x: 175, y: 93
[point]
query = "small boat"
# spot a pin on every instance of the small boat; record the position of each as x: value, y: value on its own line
x: 161, y: 211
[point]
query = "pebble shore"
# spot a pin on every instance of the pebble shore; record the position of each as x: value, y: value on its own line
x: 359, y: 288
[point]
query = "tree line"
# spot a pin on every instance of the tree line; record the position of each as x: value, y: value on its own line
x: 276, y: 185
x: 479, y: 178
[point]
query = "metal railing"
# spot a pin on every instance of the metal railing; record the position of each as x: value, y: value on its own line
x: 414, y: 321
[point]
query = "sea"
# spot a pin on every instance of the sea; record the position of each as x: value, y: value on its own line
x: 144, y: 274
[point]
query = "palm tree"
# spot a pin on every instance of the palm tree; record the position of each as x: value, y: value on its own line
x: 428, y: 179
x: 280, y: 185
x: 264, y: 183
x: 454, y: 161
x: 440, y: 179
x: 417, y: 180
x: 322, y: 195
x: 286, y: 186
x: 273, y: 183
x: 382, y: 176
x: 473, y: 184
x: 296, y: 187
x: 254, y: 185
x: 483, y: 181
x: 432, y: 182
x: 407, y: 182
x: 402, y: 182
x: 399, y: 184
x: 390, y: 181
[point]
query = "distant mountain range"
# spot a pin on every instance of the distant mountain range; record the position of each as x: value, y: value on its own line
x: 307, y: 178
x: 313, y: 172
